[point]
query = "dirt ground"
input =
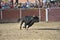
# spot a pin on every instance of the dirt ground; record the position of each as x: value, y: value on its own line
x: 39, y: 31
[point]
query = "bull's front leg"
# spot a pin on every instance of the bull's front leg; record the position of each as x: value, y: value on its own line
x: 27, y: 26
x: 20, y: 26
x: 23, y: 25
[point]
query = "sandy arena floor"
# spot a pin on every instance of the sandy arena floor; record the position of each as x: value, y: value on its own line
x: 39, y: 31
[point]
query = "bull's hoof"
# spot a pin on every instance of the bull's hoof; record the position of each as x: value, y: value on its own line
x: 27, y: 27
x: 20, y: 28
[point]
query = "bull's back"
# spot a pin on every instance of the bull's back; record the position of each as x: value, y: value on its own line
x: 27, y: 18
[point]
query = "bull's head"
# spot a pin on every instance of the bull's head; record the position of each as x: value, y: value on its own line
x: 36, y: 18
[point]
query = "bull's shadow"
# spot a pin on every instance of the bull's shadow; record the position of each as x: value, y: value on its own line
x: 44, y: 29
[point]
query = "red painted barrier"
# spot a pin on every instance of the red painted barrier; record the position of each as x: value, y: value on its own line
x: 14, y: 14
x: 43, y: 14
x: 30, y: 12
x: 10, y: 15
x: 54, y: 14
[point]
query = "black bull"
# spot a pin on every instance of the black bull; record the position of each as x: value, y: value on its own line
x: 28, y: 21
